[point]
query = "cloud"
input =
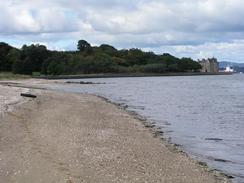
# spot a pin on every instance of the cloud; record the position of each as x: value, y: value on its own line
x: 225, y: 51
x: 189, y: 24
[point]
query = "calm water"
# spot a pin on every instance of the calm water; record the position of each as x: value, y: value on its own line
x: 204, y: 114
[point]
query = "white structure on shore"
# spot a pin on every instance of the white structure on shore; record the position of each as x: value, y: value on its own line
x: 229, y: 69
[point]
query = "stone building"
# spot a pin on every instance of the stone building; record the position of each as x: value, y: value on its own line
x: 209, y: 65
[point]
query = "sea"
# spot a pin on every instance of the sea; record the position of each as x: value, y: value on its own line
x: 203, y: 115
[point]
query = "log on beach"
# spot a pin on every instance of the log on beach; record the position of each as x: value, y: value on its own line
x: 28, y: 95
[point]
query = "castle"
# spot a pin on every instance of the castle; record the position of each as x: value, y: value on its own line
x: 209, y: 65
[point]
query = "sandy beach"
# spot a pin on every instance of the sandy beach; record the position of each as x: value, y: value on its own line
x: 73, y: 138
x: 10, y: 98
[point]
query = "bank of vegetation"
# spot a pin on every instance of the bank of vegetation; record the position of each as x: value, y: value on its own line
x: 11, y: 76
x: 89, y: 59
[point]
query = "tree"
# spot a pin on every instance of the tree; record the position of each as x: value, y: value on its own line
x: 36, y: 54
x: 84, y: 46
x: 107, y: 49
x: 154, y: 68
x: 56, y: 64
x: 187, y: 64
x: 102, y: 59
x: 12, y: 57
x: 22, y: 66
x: 133, y: 56
x: 56, y: 68
x: 4, y: 62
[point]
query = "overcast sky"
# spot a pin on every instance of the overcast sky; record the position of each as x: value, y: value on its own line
x: 185, y: 28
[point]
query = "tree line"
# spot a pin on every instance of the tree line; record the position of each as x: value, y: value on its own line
x: 89, y: 59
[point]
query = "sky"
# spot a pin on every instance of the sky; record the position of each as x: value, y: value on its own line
x: 184, y: 28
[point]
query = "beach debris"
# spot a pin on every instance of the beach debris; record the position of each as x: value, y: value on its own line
x: 229, y: 176
x: 222, y: 160
x: 214, y: 139
x: 28, y: 95
x: 82, y: 82
x: 202, y: 163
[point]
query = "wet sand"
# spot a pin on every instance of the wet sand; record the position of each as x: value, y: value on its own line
x: 74, y: 138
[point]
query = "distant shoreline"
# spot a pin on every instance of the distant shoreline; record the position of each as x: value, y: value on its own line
x: 110, y: 75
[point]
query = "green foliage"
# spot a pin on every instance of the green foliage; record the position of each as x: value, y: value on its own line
x: 135, y: 57
x: 103, y: 59
x: 56, y: 64
x: 100, y: 63
x: 107, y: 49
x: 11, y: 76
x: 36, y: 74
x: 12, y: 57
x: 18, y: 67
x: 56, y: 68
x: 154, y: 68
x: 36, y: 54
x: 5, y: 63
x: 187, y: 64
x: 84, y: 46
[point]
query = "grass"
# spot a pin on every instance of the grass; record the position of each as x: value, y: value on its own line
x: 11, y: 76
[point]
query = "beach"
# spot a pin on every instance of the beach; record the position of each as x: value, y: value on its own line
x: 73, y: 138
x: 9, y: 98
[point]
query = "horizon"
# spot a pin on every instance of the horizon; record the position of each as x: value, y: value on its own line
x: 200, y: 29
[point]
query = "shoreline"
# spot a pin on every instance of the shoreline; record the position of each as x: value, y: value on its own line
x: 157, y: 134
x: 175, y: 148
x: 110, y: 75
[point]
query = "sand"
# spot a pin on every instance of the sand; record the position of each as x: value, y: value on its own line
x: 74, y: 138
x: 9, y: 98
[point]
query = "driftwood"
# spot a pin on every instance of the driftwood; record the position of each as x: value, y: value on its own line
x: 28, y: 95
x: 214, y: 139
x: 82, y: 82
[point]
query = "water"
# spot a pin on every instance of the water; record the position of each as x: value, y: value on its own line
x: 204, y: 114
